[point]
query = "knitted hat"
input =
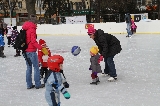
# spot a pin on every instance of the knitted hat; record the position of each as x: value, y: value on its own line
x: 91, y: 30
x: 94, y: 50
x: 33, y: 18
x: 41, y: 42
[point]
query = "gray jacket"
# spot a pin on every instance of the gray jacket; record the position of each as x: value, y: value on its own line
x: 128, y: 18
x: 95, y: 66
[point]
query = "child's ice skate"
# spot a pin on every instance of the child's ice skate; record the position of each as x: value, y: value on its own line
x: 112, y: 79
x: 94, y: 81
x: 97, y: 80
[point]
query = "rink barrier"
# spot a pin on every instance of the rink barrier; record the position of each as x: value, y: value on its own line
x: 151, y: 27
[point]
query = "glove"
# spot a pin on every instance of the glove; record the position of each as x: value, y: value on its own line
x: 66, y: 85
x: 55, y: 85
x: 66, y: 95
x: 95, y: 73
x: 100, y: 59
x: 45, y: 51
x: 90, y: 68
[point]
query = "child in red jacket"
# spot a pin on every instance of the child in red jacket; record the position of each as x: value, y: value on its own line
x: 43, y: 57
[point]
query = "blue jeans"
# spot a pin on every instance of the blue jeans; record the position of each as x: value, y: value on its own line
x: 129, y: 29
x: 33, y: 58
x: 110, y: 66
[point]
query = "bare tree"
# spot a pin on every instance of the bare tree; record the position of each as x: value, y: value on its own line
x: 159, y: 10
x: 30, y: 6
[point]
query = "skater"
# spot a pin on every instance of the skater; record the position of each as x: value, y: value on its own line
x: 133, y: 26
x: 95, y: 66
x: 128, y: 21
x: 30, y: 54
x: 54, y: 82
x: 43, y: 57
x: 9, y: 34
x: 2, y: 44
x: 13, y: 38
x: 108, y: 46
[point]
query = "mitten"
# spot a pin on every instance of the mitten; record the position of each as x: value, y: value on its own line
x: 66, y: 85
x: 100, y: 59
x: 66, y: 95
x: 45, y: 51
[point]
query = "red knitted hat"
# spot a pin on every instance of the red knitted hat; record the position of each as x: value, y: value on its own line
x: 41, y: 42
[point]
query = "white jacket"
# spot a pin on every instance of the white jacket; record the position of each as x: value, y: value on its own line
x: 9, y: 32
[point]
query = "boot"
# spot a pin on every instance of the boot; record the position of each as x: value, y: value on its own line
x: 42, y: 86
x: 97, y: 79
x: 16, y: 55
x: 112, y: 79
x: 94, y: 81
x: 31, y: 87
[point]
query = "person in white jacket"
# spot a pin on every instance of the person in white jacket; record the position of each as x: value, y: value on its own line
x: 9, y: 34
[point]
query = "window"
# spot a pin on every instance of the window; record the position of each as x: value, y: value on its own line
x: 20, y: 4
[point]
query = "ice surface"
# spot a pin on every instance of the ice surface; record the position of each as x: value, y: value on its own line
x: 138, y: 69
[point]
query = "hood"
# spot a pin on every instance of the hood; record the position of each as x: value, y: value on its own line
x: 29, y: 25
x: 99, y: 32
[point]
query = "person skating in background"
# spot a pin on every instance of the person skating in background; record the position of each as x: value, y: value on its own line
x: 108, y: 46
x: 9, y: 34
x: 2, y: 44
x: 43, y: 57
x: 133, y: 26
x: 95, y: 64
x: 13, y: 38
x: 128, y: 21
x: 54, y: 82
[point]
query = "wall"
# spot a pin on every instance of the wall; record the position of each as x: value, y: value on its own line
x: 143, y: 27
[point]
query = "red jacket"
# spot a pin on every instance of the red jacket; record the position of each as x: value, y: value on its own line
x: 31, y: 37
x: 42, y: 58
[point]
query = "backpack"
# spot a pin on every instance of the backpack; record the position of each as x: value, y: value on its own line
x: 20, y: 42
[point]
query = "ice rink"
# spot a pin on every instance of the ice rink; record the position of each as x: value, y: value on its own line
x: 138, y: 69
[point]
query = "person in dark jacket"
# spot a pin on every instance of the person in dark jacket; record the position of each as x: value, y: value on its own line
x: 108, y: 46
x: 128, y: 21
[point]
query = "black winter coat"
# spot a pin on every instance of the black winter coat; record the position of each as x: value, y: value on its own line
x: 108, y: 44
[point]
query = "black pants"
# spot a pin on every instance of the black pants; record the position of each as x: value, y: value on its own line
x: 43, y: 70
x: 1, y: 51
x: 9, y: 40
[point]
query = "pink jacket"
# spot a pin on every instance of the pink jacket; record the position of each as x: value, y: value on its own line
x: 31, y: 37
x: 133, y: 25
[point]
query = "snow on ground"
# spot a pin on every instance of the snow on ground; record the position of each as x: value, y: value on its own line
x: 137, y: 67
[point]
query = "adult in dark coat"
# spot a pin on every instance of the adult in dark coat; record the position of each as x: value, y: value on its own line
x: 108, y: 46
